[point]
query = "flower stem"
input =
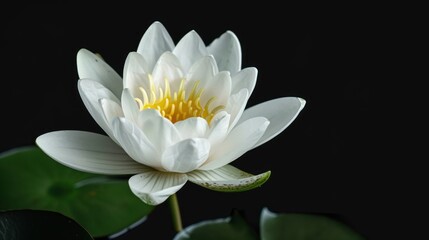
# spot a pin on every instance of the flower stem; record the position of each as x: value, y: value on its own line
x: 175, y: 213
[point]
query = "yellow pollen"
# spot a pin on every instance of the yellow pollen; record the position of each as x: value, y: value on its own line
x: 177, y: 106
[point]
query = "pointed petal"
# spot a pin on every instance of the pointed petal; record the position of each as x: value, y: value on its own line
x: 88, y: 152
x: 186, y: 155
x: 240, y: 140
x: 281, y: 112
x: 245, y: 78
x: 136, y: 73
x: 190, y: 49
x: 154, y: 188
x: 227, y: 51
x: 136, y: 143
x: 155, y: 41
x: 129, y: 105
x: 93, y: 67
x: 167, y: 68
x: 136, y: 63
x: 236, y: 105
x: 192, y: 127
x: 160, y: 131
x: 228, y: 179
x: 91, y: 92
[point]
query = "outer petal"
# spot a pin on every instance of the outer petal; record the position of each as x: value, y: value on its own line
x: 186, y: 155
x: 91, y: 92
x: 245, y: 78
x: 93, y: 67
x: 136, y: 143
x: 154, y: 42
x: 189, y: 49
x: 227, y: 51
x: 228, y: 179
x: 240, y: 140
x: 136, y: 73
x: 280, y: 112
x: 88, y: 152
x: 155, y: 187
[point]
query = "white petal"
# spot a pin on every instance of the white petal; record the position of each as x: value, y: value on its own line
x: 155, y: 187
x: 91, y: 92
x: 186, y: 156
x: 236, y: 105
x: 136, y: 73
x: 228, y: 179
x: 155, y: 42
x: 93, y: 67
x: 129, y: 105
x: 192, y: 127
x: 220, y: 88
x: 136, y: 143
x: 203, y: 71
x: 167, y: 68
x: 245, y: 78
x: 88, y: 152
x: 160, y: 131
x: 136, y: 63
x: 227, y: 51
x: 240, y: 140
x: 218, y: 129
x: 280, y: 112
x: 190, y: 49
x: 111, y: 110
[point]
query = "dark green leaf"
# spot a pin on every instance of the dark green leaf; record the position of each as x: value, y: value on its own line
x: 37, y: 224
x: 230, y: 228
x: 304, y: 227
x: 29, y: 179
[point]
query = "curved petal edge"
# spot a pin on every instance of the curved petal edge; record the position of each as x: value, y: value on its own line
x: 228, y: 179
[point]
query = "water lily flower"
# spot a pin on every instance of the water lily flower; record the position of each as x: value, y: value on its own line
x: 177, y: 114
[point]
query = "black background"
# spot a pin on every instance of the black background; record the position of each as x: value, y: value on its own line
x: 320, y: 164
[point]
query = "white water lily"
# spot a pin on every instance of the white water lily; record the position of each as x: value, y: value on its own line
x: 177, y: 114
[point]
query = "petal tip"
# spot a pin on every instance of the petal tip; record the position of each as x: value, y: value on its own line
x: 83, y: 51
x: 156, y: 25
x: 303, y: 102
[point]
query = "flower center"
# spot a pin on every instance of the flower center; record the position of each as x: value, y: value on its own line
x: 177, y: 106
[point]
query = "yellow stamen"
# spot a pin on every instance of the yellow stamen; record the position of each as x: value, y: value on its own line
x: 177, y: 106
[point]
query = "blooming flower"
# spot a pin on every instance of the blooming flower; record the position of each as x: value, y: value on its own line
x: 177, y: 114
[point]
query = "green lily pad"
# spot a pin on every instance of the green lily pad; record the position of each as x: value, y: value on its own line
x: 230, y: 228
x: 304, y: 227
x: 103, y: 205
x: 37, y: 224
x: 273, y: 226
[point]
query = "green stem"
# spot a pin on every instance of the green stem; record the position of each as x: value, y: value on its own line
x: 175, y: 213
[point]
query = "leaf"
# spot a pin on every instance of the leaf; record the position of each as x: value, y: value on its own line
x: 297, y: 226
x: 234, y: 228
x: 29, y: 179
x: 36, y: 224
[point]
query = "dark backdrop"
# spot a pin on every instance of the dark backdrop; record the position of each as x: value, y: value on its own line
x: 320, y: 164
